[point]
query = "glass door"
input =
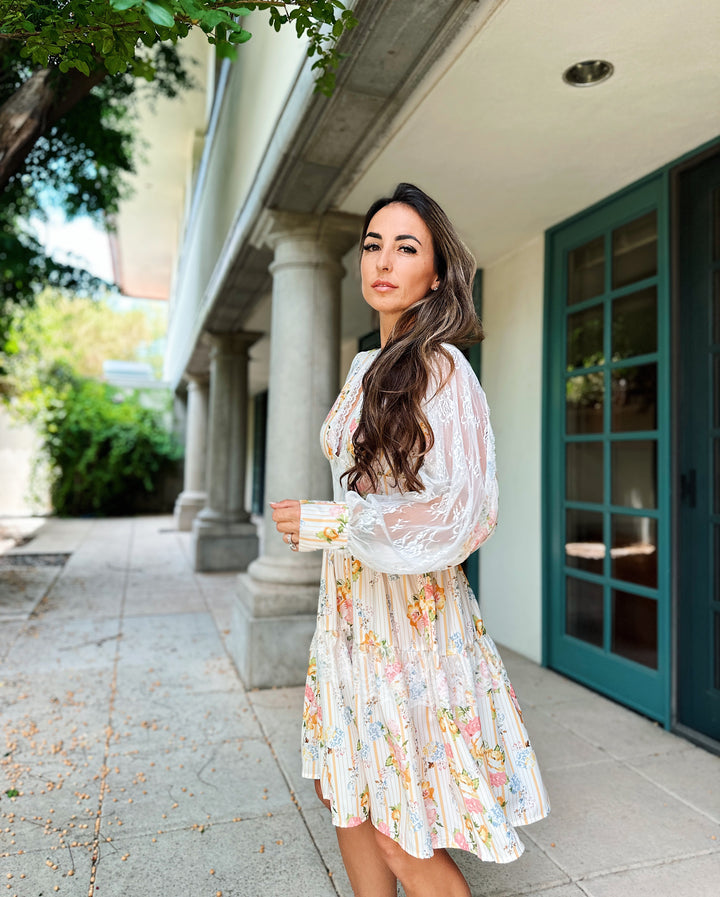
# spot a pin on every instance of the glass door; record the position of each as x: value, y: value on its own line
x: 606, y: 443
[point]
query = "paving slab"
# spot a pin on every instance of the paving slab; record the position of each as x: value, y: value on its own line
x: 158, y: 722
x: 697, y: 876
x: 556, y: 746
x: 64, y: 872
x: 180, y: 787
x: 50, y: 535
x: 268, y: 856
x: 620, y: 732
x: 21, y: 589
x: 49, y: 645
x: 607, y: 816
x: 81, y: 593
x: 691, y: 774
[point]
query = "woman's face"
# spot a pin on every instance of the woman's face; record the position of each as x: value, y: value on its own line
x: 397, y: 263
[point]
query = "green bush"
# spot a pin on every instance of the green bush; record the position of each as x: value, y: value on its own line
x: 104, y: 447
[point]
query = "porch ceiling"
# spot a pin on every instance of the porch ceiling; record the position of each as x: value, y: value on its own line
x: 510, y: 149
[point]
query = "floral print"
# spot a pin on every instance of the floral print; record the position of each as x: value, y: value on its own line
x: 409, y: 718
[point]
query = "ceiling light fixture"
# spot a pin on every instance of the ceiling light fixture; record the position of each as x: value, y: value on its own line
x: 588, y: 73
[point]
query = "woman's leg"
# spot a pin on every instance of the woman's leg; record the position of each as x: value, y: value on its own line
x: 364, y: 863
x: 365, y: 867
x: 422, y: 878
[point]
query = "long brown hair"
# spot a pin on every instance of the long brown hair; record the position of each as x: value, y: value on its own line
x: 393, y: 431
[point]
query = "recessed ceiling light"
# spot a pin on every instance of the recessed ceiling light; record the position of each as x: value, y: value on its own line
x: 585, y: 74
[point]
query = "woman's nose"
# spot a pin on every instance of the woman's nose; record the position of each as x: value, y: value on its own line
x: 384, y: 260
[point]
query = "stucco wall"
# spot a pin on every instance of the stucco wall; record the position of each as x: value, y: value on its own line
x: 510, y: 570
x: 19, y: 444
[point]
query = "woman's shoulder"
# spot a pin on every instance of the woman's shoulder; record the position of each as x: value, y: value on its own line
x: 362, y: 360
x: 460, y: 365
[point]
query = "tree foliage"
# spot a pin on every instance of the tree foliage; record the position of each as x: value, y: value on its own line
x: 85, y: 35
x: 81, y: 333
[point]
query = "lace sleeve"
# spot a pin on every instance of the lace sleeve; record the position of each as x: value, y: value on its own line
x: 416, y: 532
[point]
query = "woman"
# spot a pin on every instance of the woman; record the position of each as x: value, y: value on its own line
x: 411, y: 728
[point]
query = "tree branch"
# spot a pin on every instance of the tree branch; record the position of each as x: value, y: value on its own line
x: 37, y: 104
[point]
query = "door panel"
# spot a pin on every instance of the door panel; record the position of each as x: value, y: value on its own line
x: 698, y: 422
x: 606, y: 442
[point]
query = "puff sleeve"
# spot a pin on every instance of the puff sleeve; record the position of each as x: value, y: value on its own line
x: 418, y: 532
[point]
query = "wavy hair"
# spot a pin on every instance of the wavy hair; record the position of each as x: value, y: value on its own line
x: 394, y: 433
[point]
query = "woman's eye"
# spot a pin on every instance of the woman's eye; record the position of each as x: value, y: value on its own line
x: 408, y: 249
x: 369, y: 247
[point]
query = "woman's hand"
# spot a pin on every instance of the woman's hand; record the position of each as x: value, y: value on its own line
x: 286, y: 515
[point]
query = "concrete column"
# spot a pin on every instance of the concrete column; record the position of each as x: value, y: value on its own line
x: 194, y: 495
x: 274, y: 615
x: 223, y: 537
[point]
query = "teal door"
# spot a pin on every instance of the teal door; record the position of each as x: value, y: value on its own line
x: 606, y: 449
x: 698, y: 328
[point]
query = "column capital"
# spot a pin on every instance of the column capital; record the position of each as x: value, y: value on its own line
x: 334, y: 231
x: 197, y: 381
x: 236, y: 343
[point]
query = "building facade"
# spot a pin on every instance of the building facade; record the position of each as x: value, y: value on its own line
x: 593, y: 210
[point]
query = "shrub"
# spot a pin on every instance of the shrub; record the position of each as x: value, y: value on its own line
x: 103, y: 445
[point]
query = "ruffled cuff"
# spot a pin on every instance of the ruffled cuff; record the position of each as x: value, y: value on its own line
x: 323, y: 524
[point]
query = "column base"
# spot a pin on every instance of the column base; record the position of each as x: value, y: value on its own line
x: 218, y: 546
x: 271, y: 630
x: 187, y: 506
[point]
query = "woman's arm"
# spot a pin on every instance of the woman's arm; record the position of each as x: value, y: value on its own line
x: 416, y: 532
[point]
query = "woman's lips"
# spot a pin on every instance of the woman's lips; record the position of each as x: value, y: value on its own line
x: 383, y: 286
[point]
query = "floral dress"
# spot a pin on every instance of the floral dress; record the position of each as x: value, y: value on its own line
x: 410, y: 719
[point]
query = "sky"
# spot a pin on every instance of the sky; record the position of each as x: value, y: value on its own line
x: 81, y: 241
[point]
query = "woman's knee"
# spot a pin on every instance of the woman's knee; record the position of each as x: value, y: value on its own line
x: 393, y: 855
x: 318, y: 791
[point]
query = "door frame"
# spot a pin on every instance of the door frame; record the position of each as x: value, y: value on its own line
x: 683, y: 165
x: 668, y: 175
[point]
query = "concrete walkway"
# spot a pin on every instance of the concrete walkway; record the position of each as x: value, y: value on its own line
x: 142, y: 768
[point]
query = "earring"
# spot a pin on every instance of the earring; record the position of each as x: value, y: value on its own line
x: 434, y: 289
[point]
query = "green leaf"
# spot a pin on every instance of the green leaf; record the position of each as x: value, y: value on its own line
x: 234, y: 10
x: 124, y: 4
x: 81, y: 66
x: 239, y: 37
x: 159, y: 14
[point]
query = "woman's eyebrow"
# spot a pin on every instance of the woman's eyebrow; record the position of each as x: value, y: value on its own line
x: 397, y: 239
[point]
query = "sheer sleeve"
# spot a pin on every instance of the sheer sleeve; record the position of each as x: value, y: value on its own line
x: 416, y: 532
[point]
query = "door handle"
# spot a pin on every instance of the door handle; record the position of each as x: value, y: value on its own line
x: 688, y: 490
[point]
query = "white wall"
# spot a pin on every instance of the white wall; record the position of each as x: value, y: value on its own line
x: 510, y: 566
x: 19, y: 444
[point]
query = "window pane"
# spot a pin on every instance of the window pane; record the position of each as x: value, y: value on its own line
x: 584, y: 471
x: 634, y: 398
x: 633, y: 550
x: 716, y: 478
x: 634, y: 627
x: 716, y: 308
x: 586, y: 271
x: 584, y: 540
x: 584, y: 403
x: 716, y: 652
x: 634, y: 324
x: 715, y: 387
x: 634, y: 473
x: 716, y: 224
x: 585, y: 338
x: 634, y: 249
x: 584, y: 610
